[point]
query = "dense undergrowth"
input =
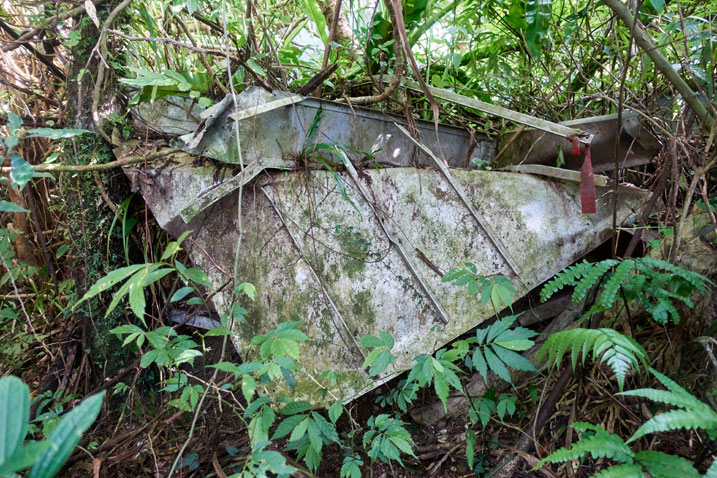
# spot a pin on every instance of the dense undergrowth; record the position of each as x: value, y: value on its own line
x: 88, y: 279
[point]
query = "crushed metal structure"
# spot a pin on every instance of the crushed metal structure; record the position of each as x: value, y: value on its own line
x: 359, y: 244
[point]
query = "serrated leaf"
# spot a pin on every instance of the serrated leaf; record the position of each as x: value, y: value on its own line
x: 662, y: 465
x: 287, y: 426
x: 335, y: 411
x: 293, y: 408
x: 479, y: 363
x: 514, y: 360
x: 496, y: 365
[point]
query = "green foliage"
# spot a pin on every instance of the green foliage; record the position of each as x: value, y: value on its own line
x: 441, y: 371
x: 386, y: 439
x: 497, y: 346
x: 651, y: 282
x: 498, y: 290
x: 380, y: 356
x: 618, y: 351
x: 599, y: 444
x: 138, y: 277
x: 537, y: 17
x: 691, y: 413
x: 46, y: 457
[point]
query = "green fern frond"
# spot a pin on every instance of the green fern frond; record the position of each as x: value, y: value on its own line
x: 697, y: 280
x: 675, y: 420
x: 662, y: 465
x: 619, y: 351
x: 601, y: 445
x: 668, y: 398
x: 567, y: 277
x: 609, y: 291
x: 591, y: 278
x: 670, y: 384
x: 621, y: 471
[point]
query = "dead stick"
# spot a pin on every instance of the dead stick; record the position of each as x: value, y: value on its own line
x: 87, y: 168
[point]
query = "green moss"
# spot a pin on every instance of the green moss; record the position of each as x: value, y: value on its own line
x: 362, y: 307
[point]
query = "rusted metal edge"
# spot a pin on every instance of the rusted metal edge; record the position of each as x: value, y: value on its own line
x: 521, y: 118
x: 459, y: 190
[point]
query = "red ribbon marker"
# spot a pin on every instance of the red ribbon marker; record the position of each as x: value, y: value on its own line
x: 587, y: 183
x: 576, y: 145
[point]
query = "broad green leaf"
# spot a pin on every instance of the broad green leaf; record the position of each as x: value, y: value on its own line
x: 218, y: 332
x: 293, y: 408
x: 14, y: 122
x: 335, y: 411
x: 287, y: 426
x: 470, y: 447
x: 313, y: 11
x: 52, y: 133
x: 441, y: 386
x: 65, y: 437
x: 496, y: 365
x: 7, y: 206
x: 110, y: 280
x: 371, y: 342
x: 293, y: 334
x: 386, y: 339
x: 137, y: 302
x: 181, y: 293
x: 537, y: 16
x: 479, y: 363
x: 382, y: 362
x: 300, y: 430
x: 14, y: 415
x: 21, y: 171
x: 24, y: 457
x: 246, y: 288
x: 514, y: 359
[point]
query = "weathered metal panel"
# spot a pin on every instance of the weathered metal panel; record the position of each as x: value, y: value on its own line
x: 317, y: 257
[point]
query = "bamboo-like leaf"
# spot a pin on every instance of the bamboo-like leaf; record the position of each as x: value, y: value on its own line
x: 537, y: 16
x: 14, y: 415
x: 65, y: 437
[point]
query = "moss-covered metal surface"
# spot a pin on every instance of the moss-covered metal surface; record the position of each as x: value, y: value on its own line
x: 321, y: 258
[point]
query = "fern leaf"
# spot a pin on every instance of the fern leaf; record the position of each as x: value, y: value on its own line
x: 669, y: 398
x: 670, y: 384
x: 567, y: 277
x: 697, y: 280
x: 621, y: 471
x: 674, y: 420
x: 662, y: 465
x: 609, y: 291
x: 591, y: 278
x: 600, y: 445
x: 619, y: 351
